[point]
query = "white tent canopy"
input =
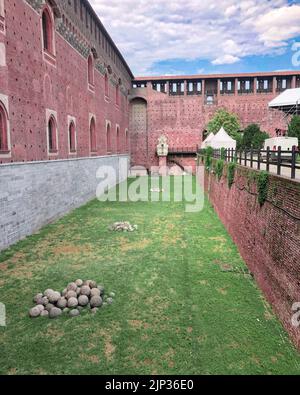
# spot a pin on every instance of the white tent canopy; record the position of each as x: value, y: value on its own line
x: 222, y: 140
x: 289, y: 98
x: 206, y: 142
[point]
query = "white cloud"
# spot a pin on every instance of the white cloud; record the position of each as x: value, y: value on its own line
x: 219, y: 31
x: 225, y: 59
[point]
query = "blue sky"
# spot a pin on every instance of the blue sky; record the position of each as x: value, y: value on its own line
x: 204, y: 36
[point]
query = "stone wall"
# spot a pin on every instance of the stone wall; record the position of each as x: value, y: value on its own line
x: 37, y: 193
x: 268, y: 236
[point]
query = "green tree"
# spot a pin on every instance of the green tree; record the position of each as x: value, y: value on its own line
x: 294, y: 127
x: 229, y: 121
x: 253, y: 137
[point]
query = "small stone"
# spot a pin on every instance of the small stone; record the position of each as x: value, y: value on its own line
x: 93, y: 284
x: 55, y: 312
x: 95, y: 292
x: 74, y: 313
x: 39, y: 300
x: 87, y: 282
x: 78, y: 291
x: 85, y: 290
x: 64, y: 292
x: 54, y: 296
x: 96, y: 301
x: 71, y: 294
x: 112, y: 295
x: 83, y: 300
x: 49, y: 306
x: 62, y: 303
x: 44, y: 301
x: 79, y: 282
x: 48, y: 292
x: 72, y: 287
x: 40, y: 307
x: 34, y: 312
x: 101, y: 289
x: 45, y: 313
x: 109, y: 300
x: 72, y: 302
x: 37, y: 297
x: 94, y: 310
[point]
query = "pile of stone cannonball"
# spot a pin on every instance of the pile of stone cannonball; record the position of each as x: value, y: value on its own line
x: 76, y: 297
x: 123, y: 227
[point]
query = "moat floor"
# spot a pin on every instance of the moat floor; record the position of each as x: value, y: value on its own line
x: 178, y: 310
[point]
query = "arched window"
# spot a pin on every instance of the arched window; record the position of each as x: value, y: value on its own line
x: 119, y: 148
x: 126, y: 141
x: 93, y: 141
x: 3, y: 130
x: 117, y: 95
x: 52, y: 135
x: 91, y: 70
x: 106, y: 85
x: 47, y: 31
x: 72, y: 137
x: 108, y: 139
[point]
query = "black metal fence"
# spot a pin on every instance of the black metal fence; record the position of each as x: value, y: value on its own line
x: 263, y: 159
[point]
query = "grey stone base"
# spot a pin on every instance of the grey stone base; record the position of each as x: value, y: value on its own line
x: 36, y: 193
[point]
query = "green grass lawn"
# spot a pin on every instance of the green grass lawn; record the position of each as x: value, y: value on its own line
x: 178, y: 310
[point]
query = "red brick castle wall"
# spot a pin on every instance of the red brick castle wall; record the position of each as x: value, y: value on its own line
x: 183, y: 115
x: 35, y: 84
x: 268, y: 237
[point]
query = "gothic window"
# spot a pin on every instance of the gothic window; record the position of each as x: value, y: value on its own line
x: 108, y: 139
x: 91, y: 70
x: 106, y: 85
x: 72, y: 137
x: 47, y: 31
x: 93, y: 142
x: 3, y: 130
x: 52, y: 135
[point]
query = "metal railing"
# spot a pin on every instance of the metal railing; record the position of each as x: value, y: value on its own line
x: 279, y: 158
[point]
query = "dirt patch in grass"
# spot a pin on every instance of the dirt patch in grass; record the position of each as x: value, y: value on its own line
x: 90, y: 358
x: 54, y: 334
x: 3, y: 266
x: 126, y: 245
x: 66, y: 249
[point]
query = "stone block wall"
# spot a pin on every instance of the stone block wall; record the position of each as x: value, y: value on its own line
x: 37, y: 193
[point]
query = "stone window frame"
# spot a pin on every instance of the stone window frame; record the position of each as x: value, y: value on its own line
x: 2, y: 17
x: 93, y: 149
x: 108, y: 125
x: 52, y: 114
x: 4, y: 105
x: 106, y: 87
x: 126, y: 140
x: 91, y: 72
x: 118, y: 147
x: 48, y: 55
x: 72, y: 120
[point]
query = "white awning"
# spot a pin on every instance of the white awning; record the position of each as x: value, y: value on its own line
x: 290, y: 97
x: 222, y: 140
x: 206, y: 142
